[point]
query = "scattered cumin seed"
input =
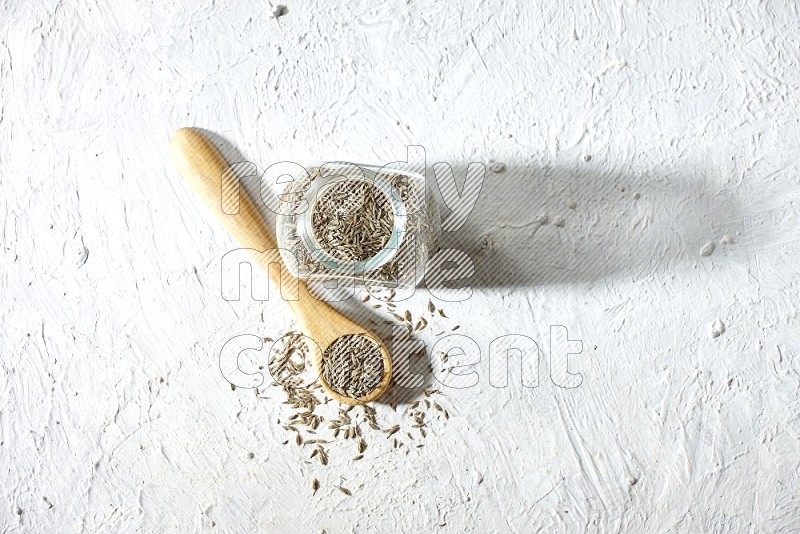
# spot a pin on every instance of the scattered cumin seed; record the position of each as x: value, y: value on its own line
x: 344, y: 490
x: 345, y: 422
x: 323, y: 456
x: 315, y: 486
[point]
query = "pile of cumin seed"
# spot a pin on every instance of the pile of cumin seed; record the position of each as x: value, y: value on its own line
x: 324, y: 427
x: 353, y: 365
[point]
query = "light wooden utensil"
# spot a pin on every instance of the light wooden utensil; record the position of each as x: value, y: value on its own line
x: 202, y: 165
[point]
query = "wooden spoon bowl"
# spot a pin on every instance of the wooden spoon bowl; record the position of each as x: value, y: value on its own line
x: 202, y: 165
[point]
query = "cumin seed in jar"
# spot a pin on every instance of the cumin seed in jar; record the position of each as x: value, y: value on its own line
x: 353, y: 220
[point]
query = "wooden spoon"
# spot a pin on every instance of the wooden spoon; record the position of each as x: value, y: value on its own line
x: 210, y: 176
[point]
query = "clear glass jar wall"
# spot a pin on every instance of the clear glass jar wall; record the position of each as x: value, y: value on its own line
x: 361, y: 223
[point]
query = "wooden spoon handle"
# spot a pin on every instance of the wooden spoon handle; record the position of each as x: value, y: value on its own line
x: 202, y: 165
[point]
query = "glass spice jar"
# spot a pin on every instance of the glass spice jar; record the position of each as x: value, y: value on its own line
x: 373, y: 226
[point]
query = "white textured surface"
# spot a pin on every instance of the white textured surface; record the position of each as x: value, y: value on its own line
x: 109, y: 269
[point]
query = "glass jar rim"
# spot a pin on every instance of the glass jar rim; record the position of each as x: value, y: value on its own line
x: 353, y: 173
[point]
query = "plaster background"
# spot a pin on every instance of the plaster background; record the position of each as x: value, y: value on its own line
x: 110, y: 268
